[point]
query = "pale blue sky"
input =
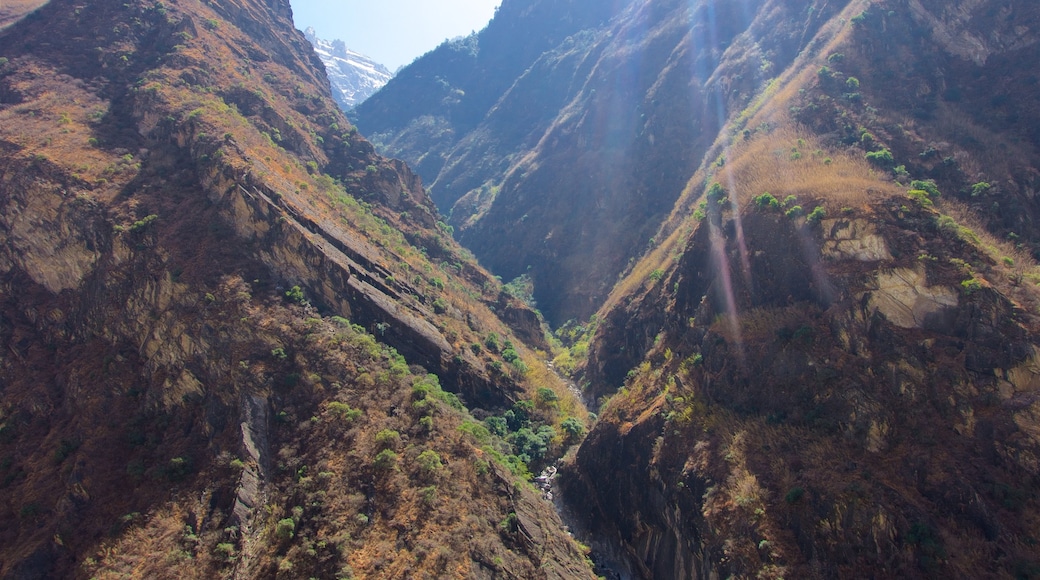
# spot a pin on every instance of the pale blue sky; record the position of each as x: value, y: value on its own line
x: 393, y: 32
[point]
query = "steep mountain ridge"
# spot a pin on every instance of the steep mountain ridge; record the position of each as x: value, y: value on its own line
x: 354, y: 77
x: 836, y: 378
x: 219, y: 310
x: 586, y: 151
x: 807, y: 232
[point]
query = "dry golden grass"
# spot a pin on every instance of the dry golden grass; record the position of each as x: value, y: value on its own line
x: 56, y: 121
x: 787, y: 161
x: 165, y: 545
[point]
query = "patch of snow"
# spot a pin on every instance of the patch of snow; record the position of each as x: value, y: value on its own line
x: 354, y: 77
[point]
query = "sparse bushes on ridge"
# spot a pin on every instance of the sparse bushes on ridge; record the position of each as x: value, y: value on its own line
x: 717, y: 193
x: 763, y: 164
x: 927, y: 186
x: 920, y: 196
x: 388, y: 439
x: 429, y: 462
x: 980, y: 188
x: 766, y: 201
x: 285, y: 529
x: 385, y: 460
x: 343, y: 411
x: 572, y: 428
x: 882, y: 158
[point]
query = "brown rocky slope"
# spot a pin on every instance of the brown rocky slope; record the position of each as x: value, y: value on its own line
x: 829, y: 365
x: 218, y: 309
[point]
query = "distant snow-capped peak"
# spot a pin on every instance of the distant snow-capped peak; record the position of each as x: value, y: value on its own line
x: 354, y: 76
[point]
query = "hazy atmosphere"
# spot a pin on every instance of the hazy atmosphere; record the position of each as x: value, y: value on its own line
x: 393, y: 32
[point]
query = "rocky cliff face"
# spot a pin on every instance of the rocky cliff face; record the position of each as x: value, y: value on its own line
x: 568, y: 158
x: 236, y: 343
x: 354, y: 77
x: 836, y: 377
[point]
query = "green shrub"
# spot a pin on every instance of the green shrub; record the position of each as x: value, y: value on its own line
x: 178, y: 468
x: 429, y: 462
x: 226, y: 551
x: 816, y: 215
x: 343, y: 411
x: 295, y: 295
x: 971, y: 285
x: 491, y: 342
x: 882, y: 158
x: 29, y: 510
x: 509, y: 522
x: 497, y: 425
x: 532, y: 445
x: 766, y: 201
x: 794, y: 211
x: 928, y: 543
x: 388, y: 439
x: 385, y: 460
x: 285, y: 529
x: 928, y: 186
x: 717, y: 193
x: 65, y: 448
x: 546, y: 395
x: 143, y: 223
x: 947, y: 224
x: 980, y: 188
x: 572, y: 428
x: 921, y: 197
x: 428, y: 495
x: 789, y: 200
x: 440, y: 306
